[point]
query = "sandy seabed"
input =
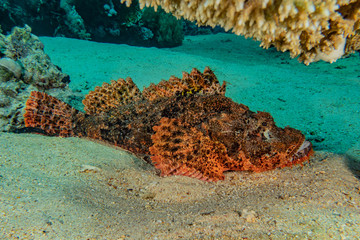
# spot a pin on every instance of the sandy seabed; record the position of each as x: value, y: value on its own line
x: 71, y: 188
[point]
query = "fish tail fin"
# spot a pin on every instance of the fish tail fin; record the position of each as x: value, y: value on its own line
x: 51, y: 115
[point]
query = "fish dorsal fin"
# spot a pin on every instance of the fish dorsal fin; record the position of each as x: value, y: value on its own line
x: 203, y: 83
x: 194, y: 82
x: 108, y: 96
x: 164, y: 88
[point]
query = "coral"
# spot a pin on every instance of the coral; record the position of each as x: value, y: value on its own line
x: 24, y: 67
x: 20, y: 43
x: 315, y: 30
x: 28, y: 51
x: 353, y: 43
x: 195, y: 82
x: 9, y: 68
x: 186, y: 126
x: 120, y: 92
x: 73, y: 20
x: 146, y: 33
x: 98, y: 20
x: 168, y: 31
x: 12, y: 103
x: 109, y: 9
x: 133, y: 17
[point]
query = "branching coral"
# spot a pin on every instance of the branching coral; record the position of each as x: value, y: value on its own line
x: 315, y: 30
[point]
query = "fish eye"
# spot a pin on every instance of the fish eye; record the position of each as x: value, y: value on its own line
x: 264, y: 124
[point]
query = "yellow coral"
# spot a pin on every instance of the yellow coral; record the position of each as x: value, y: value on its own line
x: 315, y: 30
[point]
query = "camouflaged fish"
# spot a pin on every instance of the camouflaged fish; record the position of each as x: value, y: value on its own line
x: 183, y: 126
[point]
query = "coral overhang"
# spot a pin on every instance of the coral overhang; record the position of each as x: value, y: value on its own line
x: 314, y: 29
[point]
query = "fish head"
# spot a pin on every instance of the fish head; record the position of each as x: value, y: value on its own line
x: 255, y: 142
x: 265, y: 146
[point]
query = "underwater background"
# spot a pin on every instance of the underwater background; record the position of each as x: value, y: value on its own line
x: 71, y: 188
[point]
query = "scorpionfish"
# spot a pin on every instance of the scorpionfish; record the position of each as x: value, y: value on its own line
x: 182, y: 126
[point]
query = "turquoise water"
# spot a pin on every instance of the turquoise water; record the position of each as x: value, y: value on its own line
x: 73, y: 188
x: 321, y: 99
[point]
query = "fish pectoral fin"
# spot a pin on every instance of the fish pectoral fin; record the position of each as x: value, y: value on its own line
x: 179, y: 149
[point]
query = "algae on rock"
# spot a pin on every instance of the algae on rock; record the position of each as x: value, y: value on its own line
x: 27, y: 49
x: 24, y: 67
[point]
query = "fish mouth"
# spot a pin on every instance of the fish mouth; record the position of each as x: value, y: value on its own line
x: 303, y: 153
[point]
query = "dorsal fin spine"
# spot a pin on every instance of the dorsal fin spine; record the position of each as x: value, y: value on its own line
x: 109, y: 96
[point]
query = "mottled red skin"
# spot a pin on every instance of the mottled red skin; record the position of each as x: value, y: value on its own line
x: 198, y: 135
x: 244, y: 133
